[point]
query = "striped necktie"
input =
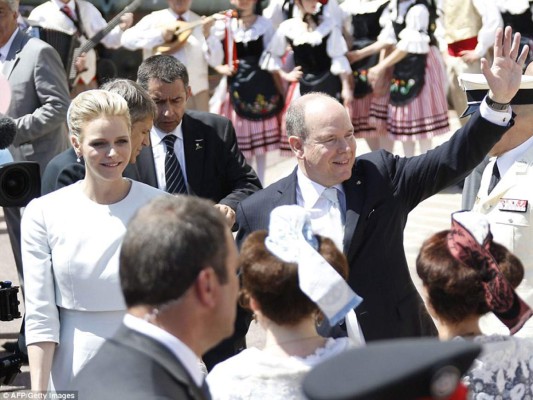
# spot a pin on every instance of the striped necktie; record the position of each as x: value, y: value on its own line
x: 173, y: 172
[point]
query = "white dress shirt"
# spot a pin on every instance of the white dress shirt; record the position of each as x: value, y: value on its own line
x: 309, y: 196
x: 4, y: 50
x: 159, y: 151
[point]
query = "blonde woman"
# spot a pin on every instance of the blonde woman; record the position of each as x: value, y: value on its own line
x: 70, y: 245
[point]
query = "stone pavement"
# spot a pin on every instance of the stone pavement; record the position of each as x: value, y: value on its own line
x: 429, y: 217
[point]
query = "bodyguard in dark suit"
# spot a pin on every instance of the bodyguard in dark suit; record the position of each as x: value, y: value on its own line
x: 181, y: 301
x: 205, y: 144
x: 378, y: 190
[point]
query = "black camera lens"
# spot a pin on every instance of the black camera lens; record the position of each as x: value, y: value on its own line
x: 16, y: 183
x: 20, y: 182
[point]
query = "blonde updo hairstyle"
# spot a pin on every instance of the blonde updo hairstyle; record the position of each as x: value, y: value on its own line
x: 93, y: 104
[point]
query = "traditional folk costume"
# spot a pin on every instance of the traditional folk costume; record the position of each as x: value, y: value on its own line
x: 469, y: 25
x: 362, y: 20
x: 517, y: 14
x: 320, y: 53
x: 417, y: 108
x: 249, y: 98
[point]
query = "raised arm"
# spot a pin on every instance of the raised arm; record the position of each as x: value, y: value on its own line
x: 505, y: 74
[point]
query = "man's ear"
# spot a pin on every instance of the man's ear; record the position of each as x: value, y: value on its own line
x: 189, y: 92
x: 206, y: 287
x: 297, y: 144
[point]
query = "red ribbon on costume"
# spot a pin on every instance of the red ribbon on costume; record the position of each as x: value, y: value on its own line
x: 500, y: 296
x: 230, y: 47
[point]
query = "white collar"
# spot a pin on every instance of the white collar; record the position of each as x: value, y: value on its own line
x: 180, y: 350
x: 4, y: 50
x: 310, y: 190
x: 157, y: 135
x: 186, y: 15
x: 507, y: 159
x: 71, y: 4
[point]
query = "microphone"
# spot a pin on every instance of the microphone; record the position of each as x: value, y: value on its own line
x: 8, y: 130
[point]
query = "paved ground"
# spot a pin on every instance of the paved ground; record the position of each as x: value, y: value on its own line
x: 429, y: 217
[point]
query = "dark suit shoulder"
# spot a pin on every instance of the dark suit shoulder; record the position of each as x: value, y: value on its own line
x: 269, y: 193
x: 203, y: 116
x: 62, y: 170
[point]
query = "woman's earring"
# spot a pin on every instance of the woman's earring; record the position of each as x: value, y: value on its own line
x: 78, y: 159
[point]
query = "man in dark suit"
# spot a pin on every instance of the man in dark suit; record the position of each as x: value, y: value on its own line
x: 205, y: 144
x: 181, y: 301
x: 377, y: 191
x: 39, y: 102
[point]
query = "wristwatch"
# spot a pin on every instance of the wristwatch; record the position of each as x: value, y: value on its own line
x: 500, y: 107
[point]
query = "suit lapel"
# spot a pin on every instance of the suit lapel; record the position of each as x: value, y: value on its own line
x: 145, y: 167
x: 12, y: 58
x: 354, y: 226
x: 193, y: 147
x: 287, y: 190
x: 160, y: 355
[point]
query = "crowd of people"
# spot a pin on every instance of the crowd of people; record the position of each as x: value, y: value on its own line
x: 128, y: 263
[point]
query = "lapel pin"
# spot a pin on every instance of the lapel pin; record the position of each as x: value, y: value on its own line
x: 199, y: 144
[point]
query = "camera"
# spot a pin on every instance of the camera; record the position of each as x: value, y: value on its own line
x: 9, y: 310
x: 20, y: 182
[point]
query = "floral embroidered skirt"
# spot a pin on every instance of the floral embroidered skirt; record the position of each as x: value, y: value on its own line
x: 423, y: 117
x: 254, y: 137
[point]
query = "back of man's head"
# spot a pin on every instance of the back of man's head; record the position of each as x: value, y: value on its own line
x: 139, y: 101
x: 163, y: 67
x: 167, y: 243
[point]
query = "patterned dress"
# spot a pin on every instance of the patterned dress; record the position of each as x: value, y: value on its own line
x: 320, y: 53
x: 417, y: 107
x: 504, y: 370
x: 249, y: 98
x: 362, y: 19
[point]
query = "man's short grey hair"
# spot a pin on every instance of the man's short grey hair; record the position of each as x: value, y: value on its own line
x: 295, y: 120
x: 295, y: 117
x: 13, y: 4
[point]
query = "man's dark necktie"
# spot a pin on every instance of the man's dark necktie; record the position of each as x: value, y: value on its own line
x: 495, y: 178
x: 173, y: 172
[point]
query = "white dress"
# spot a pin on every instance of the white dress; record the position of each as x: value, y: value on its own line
x: 256, y: 374
x: 504, y: 370
x: 70, y: 252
